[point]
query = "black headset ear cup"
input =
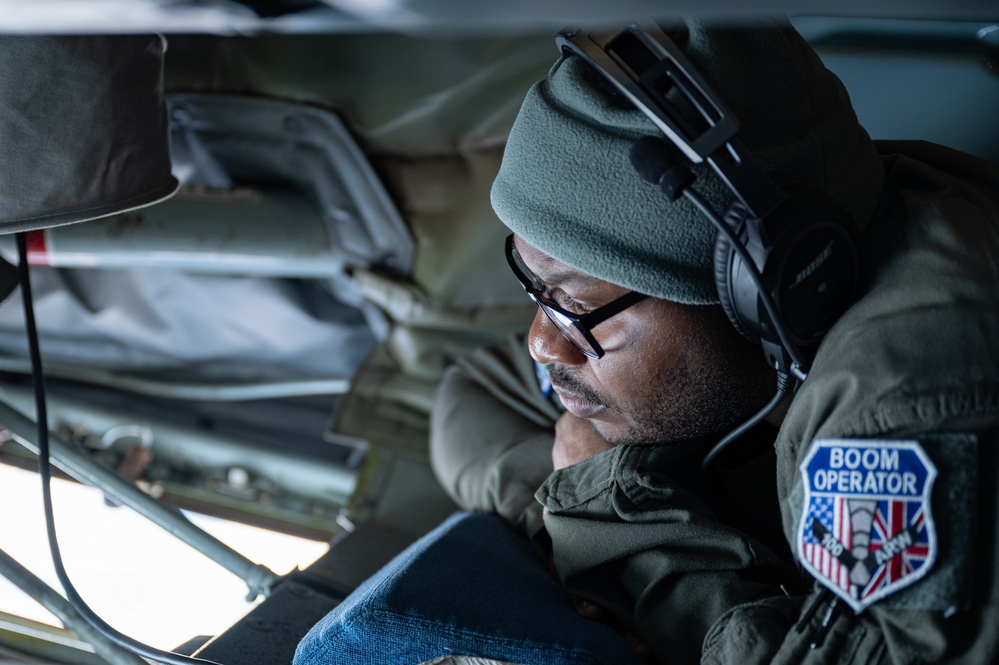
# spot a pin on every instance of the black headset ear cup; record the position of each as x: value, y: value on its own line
x: 811, y: 268
x: 814, y: 267
x: 725, y: 257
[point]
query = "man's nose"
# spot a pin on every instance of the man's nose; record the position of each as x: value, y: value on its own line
x: 548, y: 345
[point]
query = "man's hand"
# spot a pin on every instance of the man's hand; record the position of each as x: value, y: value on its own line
x: 575, y: 441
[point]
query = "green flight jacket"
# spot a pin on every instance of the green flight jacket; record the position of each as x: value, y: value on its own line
x: 675, y: 562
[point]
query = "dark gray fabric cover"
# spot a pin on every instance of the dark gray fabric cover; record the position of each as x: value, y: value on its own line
x: 83, y: 128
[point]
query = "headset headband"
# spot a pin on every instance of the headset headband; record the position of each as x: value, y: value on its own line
x: 645, y: 65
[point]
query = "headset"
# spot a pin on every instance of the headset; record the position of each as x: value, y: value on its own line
x: 786, y: 263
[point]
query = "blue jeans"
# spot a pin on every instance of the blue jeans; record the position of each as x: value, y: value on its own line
x: 471, y: 587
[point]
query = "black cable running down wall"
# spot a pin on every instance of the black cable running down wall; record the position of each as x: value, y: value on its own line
x: 45, y: 472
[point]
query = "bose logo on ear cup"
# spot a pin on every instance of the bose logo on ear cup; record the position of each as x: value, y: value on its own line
x: 813, y: 266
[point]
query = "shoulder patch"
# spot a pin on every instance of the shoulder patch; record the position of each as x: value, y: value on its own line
x: 866, y: 529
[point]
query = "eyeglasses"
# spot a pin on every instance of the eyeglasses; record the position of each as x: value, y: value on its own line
x: 573, y: 327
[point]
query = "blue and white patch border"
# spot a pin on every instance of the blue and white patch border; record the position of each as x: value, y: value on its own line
x: 851, y: 593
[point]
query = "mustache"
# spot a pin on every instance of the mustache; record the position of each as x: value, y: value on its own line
x: 564, y: 378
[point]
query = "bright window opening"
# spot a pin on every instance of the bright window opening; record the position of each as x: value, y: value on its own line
x: 137, y: 577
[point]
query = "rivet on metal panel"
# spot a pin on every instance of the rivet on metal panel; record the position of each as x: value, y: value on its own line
x: 300, y: 590
x: 262, y: 625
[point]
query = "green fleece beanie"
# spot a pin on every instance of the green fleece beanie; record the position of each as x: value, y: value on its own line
x: 567, y: 187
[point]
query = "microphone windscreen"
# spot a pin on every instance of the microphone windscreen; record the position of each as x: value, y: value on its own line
x: 657, y: 161
x: 652, y: 157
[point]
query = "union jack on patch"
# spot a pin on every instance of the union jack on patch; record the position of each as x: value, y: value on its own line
x: 891, y: 518
x: 866, y: 529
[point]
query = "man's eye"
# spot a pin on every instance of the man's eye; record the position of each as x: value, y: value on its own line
x: 568, y: 304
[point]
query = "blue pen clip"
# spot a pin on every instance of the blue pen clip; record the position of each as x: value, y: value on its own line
x: 544, y: 382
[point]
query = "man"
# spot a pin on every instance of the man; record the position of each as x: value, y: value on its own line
x: 857, y: 523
